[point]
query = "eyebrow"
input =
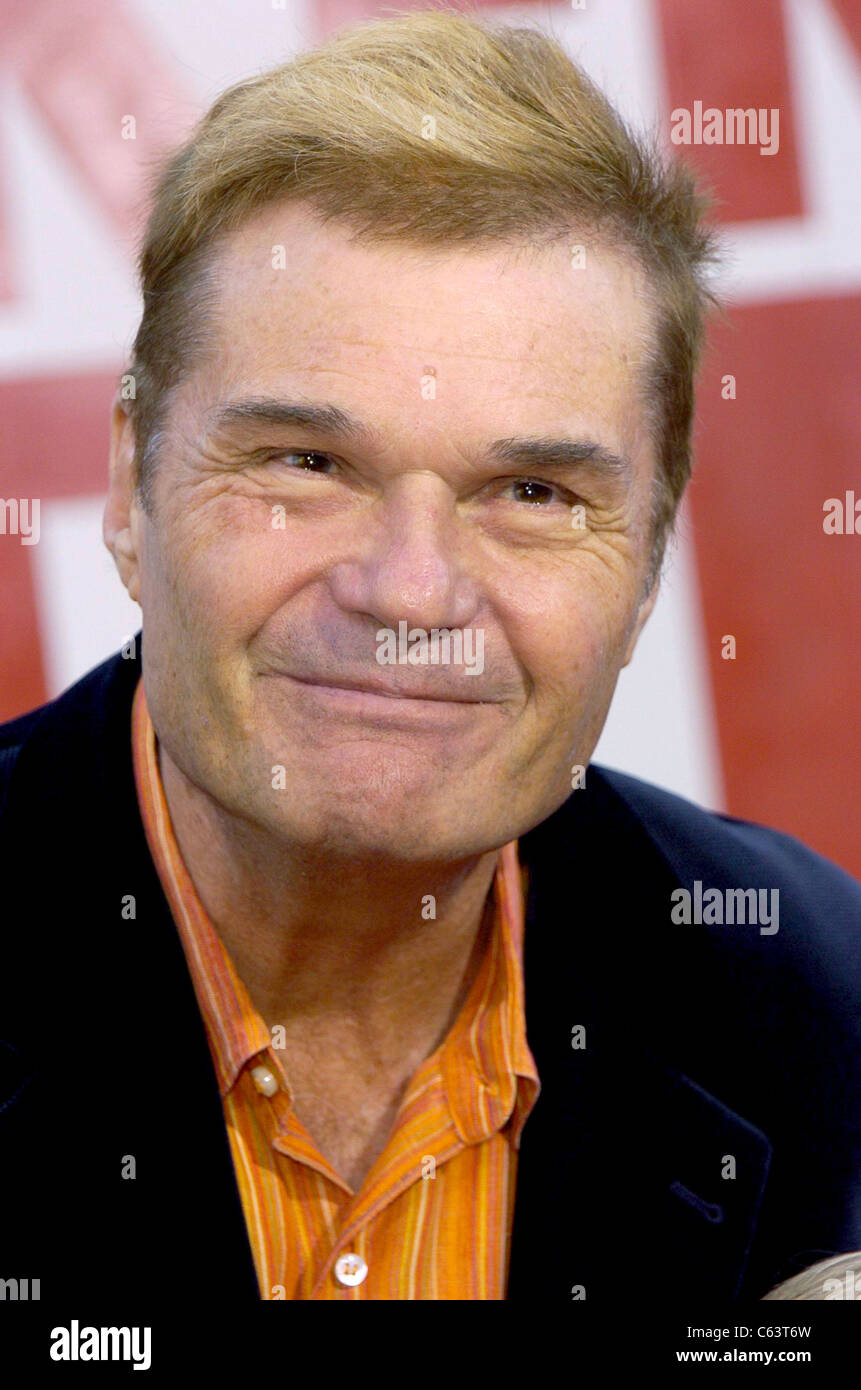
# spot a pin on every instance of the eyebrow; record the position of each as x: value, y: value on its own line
x: 269, y: 410
x: 330, y: 419
x: 560, y: 453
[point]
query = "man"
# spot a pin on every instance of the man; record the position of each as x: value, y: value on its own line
x: 350, y: 978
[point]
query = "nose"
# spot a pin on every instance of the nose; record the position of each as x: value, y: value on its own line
x: 412, y: 564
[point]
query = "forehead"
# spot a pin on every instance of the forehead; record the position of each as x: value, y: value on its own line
x: 538, y: 336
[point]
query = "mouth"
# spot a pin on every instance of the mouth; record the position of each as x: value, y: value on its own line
x: 373, y: 704
x: 386, y: 692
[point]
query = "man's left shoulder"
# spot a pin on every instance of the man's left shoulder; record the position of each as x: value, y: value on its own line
x: 726, y: 852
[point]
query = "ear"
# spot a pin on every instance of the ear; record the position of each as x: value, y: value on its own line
x: 120, y: 523
x: 643, y: 615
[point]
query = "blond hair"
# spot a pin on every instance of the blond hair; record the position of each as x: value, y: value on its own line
x: 436, y: 129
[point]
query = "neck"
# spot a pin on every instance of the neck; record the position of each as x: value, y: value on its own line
x: 321, y: 939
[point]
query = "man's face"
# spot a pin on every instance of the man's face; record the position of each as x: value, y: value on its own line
x: 278, y: 551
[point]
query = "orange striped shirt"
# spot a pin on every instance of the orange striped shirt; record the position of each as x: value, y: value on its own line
x: 432, y: 1219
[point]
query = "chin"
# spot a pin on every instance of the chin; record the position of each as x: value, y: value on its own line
x: 382, y: 785
x: 358, y: 829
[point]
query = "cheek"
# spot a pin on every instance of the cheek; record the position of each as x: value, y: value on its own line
x: 228, y: 576
x: 573, y: 644
x: 577, y: 665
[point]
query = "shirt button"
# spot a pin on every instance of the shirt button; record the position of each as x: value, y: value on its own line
x: 350, y: 1269
x: 263, y: 1079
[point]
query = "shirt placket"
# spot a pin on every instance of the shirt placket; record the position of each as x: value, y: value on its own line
x: 346, y: 1270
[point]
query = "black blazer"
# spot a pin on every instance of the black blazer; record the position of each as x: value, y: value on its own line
x: 709, y: 1050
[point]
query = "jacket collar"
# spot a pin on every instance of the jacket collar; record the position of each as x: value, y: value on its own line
x: 625, y: 1153
x: 139, y: 1079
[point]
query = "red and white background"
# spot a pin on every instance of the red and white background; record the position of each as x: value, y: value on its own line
x: 772, y: 735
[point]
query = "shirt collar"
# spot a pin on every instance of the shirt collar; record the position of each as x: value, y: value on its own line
x: 234, y: 1028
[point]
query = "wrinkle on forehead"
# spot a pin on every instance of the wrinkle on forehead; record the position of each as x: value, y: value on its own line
x: 358, y: 324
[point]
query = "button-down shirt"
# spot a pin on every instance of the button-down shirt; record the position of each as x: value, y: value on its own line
x: 432, y: 1218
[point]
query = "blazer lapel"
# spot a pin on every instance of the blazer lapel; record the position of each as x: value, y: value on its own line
x: 622, y: 1160
x: 119, y: 1051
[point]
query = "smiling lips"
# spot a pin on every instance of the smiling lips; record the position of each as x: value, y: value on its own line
x: 381, y: 689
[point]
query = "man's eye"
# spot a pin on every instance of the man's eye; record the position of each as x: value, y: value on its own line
x: 308, y: 460
x: 530, y: 490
